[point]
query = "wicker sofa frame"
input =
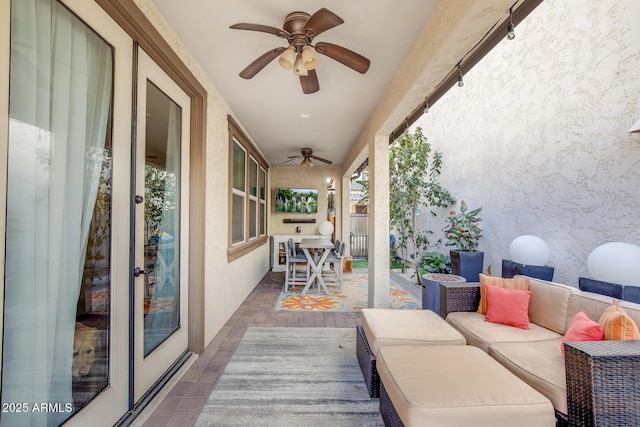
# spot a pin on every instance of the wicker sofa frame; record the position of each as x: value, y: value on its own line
x: 367, y: 361
x: 603, y: 377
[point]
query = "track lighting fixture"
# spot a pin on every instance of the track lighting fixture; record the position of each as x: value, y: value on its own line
x: 460, y: 80
x: 511, y: 29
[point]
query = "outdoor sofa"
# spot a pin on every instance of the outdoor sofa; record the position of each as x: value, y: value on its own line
x: 595, y: 383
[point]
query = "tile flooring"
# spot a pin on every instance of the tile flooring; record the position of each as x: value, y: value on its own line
x: 181, y: 406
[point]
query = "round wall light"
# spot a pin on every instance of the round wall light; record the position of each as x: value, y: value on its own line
x: 615, y: 262
x: 325, y: 228
x: 529, y: 250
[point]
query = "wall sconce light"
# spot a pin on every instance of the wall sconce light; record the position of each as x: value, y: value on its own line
x: 460, y: 79
x: 511, y: 29
x: 426, y: 106
x: 635, y: 128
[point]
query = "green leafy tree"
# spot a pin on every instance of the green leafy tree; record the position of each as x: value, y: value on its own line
x: 414, y: 169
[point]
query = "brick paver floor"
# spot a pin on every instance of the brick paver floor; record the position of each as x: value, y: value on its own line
x: 185, y: 400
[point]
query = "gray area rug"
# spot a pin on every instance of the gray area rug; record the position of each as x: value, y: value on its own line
x: 292, y: 377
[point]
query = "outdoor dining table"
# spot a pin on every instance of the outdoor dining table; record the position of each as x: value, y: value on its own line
x: 316, y: 260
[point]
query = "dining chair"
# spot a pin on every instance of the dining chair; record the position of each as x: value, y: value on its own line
x: 293, y: 259
x: 334, y: 261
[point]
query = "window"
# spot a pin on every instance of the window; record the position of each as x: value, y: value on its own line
x: 247, y: 196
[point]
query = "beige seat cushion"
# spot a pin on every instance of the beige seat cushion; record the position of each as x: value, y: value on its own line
x: 540, y: 364
x: 458, y: 386
x: 549, y: 304
x: 482, y: 334
x: 384, y: 327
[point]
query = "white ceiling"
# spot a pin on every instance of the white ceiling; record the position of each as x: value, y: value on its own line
x: 271, y: 105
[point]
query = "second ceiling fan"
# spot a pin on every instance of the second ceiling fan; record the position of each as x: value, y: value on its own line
x: 306, y: 154
x: 299, y: 30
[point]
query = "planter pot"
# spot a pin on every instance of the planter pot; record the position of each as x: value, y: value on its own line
x: 431, y: 289
x: 467, y: 264
x: 512, y: 268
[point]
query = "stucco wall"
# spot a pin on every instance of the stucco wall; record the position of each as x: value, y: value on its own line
x: 537, y: 135
x: 226, y: 284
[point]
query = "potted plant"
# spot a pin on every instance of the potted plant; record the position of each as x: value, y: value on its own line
x: 463, y: 232
x: 435, y: 262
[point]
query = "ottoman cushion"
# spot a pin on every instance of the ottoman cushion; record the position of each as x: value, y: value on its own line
x: 384, y: 327
x: 458, y: 386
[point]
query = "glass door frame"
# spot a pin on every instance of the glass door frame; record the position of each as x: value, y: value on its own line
x: 150, y: 368
x: 128, y: 15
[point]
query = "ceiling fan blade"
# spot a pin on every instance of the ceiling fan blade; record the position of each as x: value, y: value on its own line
x: 292, y: 158
x: 295, y: 157
x: 310, y: 82
x: 345, y: 56
x: 322, y: 21
x: 257, y: 65
x: 261, y: 28
x: 321, y: 159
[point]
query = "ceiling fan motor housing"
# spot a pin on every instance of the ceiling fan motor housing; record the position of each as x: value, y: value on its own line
x: 295, y: 22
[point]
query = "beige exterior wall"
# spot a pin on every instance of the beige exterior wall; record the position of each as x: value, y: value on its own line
x: 226, y: 284
x: 537, y: 135
x: 296, y: 177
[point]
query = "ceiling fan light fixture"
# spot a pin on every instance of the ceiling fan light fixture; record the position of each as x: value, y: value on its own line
x: 306, y: 163
x: 298, y: 67
x: 287, y: 58
x: 309, y: 58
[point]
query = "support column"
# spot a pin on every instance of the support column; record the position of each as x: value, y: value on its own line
x: 379, y: 222
x: 345, y: 207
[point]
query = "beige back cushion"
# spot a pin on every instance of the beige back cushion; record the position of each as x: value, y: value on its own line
x: 594, y: 305
x: 549, y: 305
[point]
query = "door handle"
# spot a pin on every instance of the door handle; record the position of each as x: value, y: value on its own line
x: 137, y: 272
x: 138, y: 199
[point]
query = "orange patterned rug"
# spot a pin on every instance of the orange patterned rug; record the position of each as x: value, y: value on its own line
x: 352, y: 297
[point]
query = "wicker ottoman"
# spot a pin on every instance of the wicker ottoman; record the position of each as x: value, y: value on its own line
x: 455, y: 386
x: 382, y: 327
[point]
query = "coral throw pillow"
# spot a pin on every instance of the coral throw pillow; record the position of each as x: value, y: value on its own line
x: 520, y: 284
x: 507, y: 306
x: 582, y: 329
x: 617, y: 325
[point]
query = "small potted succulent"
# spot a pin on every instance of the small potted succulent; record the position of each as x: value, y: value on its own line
x: 463, y: 232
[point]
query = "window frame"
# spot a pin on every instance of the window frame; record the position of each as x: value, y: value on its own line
x: 251, y: 156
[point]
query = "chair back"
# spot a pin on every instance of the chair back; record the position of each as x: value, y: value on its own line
x: 343, y: 249
x: 290, y: 248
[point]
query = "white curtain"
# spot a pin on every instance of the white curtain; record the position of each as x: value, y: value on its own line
x: 61, y: 84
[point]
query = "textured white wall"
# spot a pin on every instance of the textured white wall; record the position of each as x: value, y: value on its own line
x: 537, y: 135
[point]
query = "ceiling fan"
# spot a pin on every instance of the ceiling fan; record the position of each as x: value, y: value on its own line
x: 299, y: 29
x: 307, y: 155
